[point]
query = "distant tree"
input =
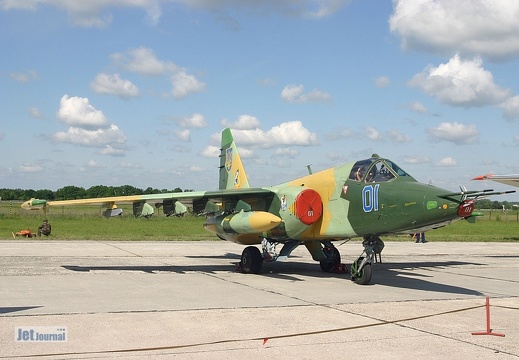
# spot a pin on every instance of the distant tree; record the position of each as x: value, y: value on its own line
x: 127, y: 190
x: 97, y: 191
x: 70, y: 193
x: 44, y: 194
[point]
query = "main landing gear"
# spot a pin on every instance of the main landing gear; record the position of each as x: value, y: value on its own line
x: 361, y: 268
x: 252, y: 258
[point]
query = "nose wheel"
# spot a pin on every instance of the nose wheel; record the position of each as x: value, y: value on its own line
x: 361, y: 269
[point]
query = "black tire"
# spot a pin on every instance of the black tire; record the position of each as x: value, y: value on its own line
x: 251, y: 260
x: 333, y: 258
x: 364, y: 276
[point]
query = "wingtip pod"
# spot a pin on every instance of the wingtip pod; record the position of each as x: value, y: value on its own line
x: 34, y: 204
x: 483, y: 177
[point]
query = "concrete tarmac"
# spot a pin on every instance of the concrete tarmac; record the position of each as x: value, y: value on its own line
x: 185, y: 300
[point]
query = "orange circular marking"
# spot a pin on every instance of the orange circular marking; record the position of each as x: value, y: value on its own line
x: 309, y: 206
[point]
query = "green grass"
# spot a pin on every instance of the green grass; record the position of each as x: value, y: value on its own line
x: 86, y: 222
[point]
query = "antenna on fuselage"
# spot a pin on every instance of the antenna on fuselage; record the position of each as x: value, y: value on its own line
x: 309, y: 167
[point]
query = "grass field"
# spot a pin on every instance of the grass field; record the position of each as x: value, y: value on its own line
x: 86, y: 222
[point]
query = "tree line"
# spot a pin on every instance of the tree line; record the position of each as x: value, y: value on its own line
x: 76, y: 192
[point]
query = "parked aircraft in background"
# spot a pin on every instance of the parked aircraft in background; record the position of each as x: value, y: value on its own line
x: 512, y: 180
x: 368, y: 198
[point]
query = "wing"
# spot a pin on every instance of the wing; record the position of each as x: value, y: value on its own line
x: 173, y: 203
x: 512, y: 180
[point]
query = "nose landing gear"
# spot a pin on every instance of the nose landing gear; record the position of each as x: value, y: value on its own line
x: 361, y: 270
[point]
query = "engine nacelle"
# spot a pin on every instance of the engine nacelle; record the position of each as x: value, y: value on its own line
x: 299, y: 208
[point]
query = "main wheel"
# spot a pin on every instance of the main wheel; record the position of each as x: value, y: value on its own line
x: 333, y: 258
x: 364, y: 276
x: 251, y: 260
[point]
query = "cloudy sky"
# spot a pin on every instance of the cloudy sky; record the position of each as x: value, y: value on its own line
x: 115, y: 92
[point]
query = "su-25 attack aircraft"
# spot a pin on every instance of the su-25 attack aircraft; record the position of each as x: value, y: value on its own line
x: 366, y: 198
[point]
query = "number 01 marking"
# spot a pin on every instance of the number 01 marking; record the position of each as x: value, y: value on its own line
x: 370, y: 198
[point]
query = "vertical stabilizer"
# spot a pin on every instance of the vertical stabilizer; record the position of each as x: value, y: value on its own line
x: 232, y: 173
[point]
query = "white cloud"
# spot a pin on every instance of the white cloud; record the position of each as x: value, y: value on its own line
x: 291, y: 133
x: 212, y: 151
x: 110, y: 150
x: 418, y: 107
x: 244, y: 122
x: 460, y: 83
x: 382, y: 82
x: 296, y: 94
x: 183, y: 135
x: 95, y: 13
x: 129, y: 165
x: 511, y: 108
x: 475, y: 27
x: 340, y: 132
x: 196, y: 120
x: 99, y: 138
x: 373, y: 134
x: 416, y: 160
x: 287, y: 133
x: 293, y: 8
x: 24, y: 77
x: 397, y: 136
x: 93, y: 164
x: 88, y: 13
x: 77, y: 112
x: 287, y: 152
x: 114, y: 85
x: 455, y: 132
x: 446, y: 162
x: 31, y: 168
x: 184, y: 85
x: 143, y: 61
x: 35, y: 113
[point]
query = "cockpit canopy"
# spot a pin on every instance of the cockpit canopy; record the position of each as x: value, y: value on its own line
x: 376, y: 169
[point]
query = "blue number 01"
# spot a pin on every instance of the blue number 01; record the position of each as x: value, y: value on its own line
x: 370, y: 198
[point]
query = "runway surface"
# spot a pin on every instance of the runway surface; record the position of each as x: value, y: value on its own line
x: 185, y: 300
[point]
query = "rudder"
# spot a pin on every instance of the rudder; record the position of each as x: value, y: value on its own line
x: 232, y: 172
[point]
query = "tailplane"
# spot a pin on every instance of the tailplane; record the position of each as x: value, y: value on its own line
x: 232, y: 172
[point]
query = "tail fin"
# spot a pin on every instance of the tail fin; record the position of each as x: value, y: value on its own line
x: 232, y: 172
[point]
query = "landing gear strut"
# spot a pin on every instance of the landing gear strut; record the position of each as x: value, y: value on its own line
x: 333, y: 257
x: 361, y: 268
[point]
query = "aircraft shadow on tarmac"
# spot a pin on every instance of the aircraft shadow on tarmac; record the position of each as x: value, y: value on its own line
x: 400, y: 275
x: 10, y: 309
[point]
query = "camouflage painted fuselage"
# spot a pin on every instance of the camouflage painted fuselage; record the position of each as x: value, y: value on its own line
x: 334, y: 204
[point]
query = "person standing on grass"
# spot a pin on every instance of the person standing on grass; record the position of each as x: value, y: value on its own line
x: 45, y: 228
x: 420, y: 237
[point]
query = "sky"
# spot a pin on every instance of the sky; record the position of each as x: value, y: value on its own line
x: 137, y: 92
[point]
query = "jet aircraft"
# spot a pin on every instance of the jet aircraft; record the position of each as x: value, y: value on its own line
x: 512, y: 180
x: 368, y: 198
